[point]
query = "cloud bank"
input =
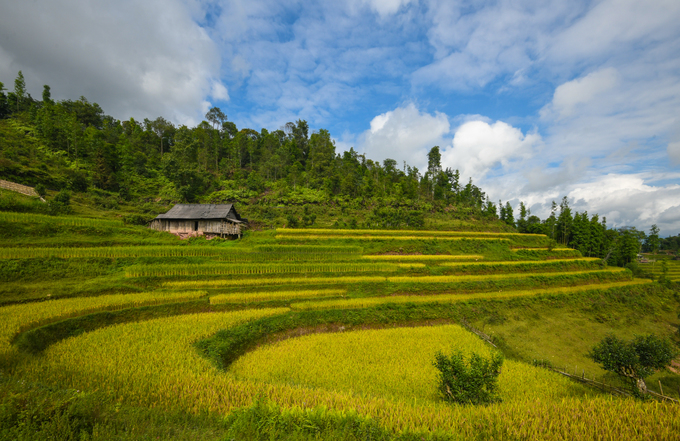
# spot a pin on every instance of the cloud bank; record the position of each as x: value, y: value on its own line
x: 137, y: 59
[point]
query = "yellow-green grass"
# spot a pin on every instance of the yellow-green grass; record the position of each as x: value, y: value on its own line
x: 365, y: 302
x: 518, y: 262
x: 421, y: 257
x: 62, y: 220
x: 118, y: 252
x: 254, y: 268
x: 477, y: 278
x: 411, y: 265
x: 262, y: 296
x: 153, y: 364
x: 521, y: 262
x: 391, y: 363
x: 17, y: 318
x: 313, y: 249
x: 260, y: 281
x: 377, y: 237
x: 359, y: 232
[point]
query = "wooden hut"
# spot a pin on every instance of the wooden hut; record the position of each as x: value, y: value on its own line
x: 192, y: 220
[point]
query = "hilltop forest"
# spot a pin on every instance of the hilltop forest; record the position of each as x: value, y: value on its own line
x: 137, y: 169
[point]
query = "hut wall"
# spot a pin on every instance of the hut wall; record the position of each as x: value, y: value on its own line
x: 188, y: 228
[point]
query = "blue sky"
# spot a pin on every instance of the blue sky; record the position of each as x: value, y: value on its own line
x: 534, y: 100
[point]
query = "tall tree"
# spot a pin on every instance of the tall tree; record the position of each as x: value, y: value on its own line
x: 522, y: 221
x: 434, y: 158
x: 652, y: 242
x: 564, y: 221
x: 216, y: 117
x: 20, y: 90
x: 509, y: 216
x: 47, y: 95
x: 321, y: 155
x: 161, y: 127
x: 4, y: 105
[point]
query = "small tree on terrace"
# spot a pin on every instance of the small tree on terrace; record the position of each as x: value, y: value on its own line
x: 472, y: 381
x: 634, y: 360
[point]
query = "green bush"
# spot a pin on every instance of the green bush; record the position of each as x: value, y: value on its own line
x: 472, y: 381
x: 137, y: 219
x: 40, y: 190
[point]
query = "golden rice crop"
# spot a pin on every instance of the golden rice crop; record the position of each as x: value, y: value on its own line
x: 17, y: 318
x: 118, y: 252
x: 377, y: 237
x: 411, y: 265
x: 252, y: 269
x: 261, y: 281
x: 154, y: 364
x: 475, y: 278
x: 521, y: 262
x: 148, y: 363
x: 365, y: 302
x: 361, y: 232
x: 262, y: 296
x: 419, y: 257
x: 393, y: 363
x: 304, y: 249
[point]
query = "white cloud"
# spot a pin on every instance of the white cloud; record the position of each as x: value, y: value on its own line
x: 136, y: 59
x: 405, y: 134
x: 219, y: 92
x: 614, y: 27
x: 629, y: 200
x: 385, y: 7
x: 478, y: 147
x: 674, y: 152
x: 475, y: 43
x: 571, y: 95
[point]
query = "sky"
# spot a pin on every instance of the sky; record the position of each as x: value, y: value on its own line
x: 531, y: 99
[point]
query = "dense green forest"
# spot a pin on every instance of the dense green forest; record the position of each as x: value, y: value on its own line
x: 282, y: 177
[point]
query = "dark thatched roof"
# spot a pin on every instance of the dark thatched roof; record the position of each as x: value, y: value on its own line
x: 201, y: 212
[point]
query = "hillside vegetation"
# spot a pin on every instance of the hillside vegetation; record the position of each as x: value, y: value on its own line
x: 163, y: 338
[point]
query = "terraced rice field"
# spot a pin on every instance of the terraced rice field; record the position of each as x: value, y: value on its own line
x: 153, y: 364
x: 393, y: 363
x: 386, y: 374
x: 395, y: 233
x: 656, y: 268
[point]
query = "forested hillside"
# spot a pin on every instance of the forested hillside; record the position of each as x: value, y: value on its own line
x: 286, y: 177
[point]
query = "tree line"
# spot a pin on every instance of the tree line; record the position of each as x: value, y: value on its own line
x: 190, y: 163
x: 217, y: 162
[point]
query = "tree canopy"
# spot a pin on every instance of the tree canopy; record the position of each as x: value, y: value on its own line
x: 636, y: 359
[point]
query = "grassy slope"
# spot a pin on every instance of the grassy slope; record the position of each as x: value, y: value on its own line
x: 562, y: 333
